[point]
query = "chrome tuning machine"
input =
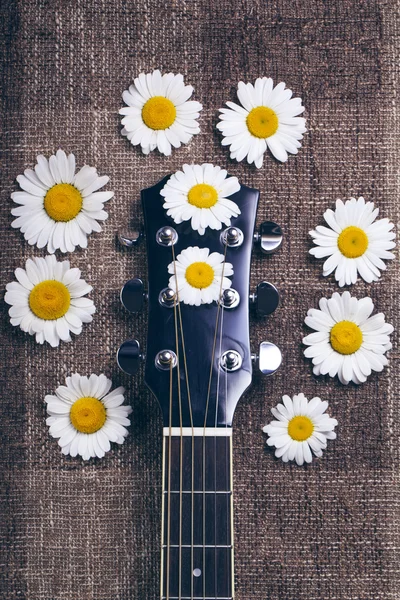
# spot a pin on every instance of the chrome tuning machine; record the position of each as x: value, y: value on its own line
x: 130, y: 239
x: 133, y: 295
x: 269, y: 237
x: 129, y: 357
x: 269, y: 358
x: 265, y: 299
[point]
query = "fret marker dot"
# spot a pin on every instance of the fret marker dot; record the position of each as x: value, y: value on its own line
x: 197, y: 572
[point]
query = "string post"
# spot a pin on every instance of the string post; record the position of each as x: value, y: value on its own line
x: 165, y: 360
x: 232, y: 237
x: 166, y: 236
x: 167, y: 297
x: 230, y: 298
x: 231, y: 361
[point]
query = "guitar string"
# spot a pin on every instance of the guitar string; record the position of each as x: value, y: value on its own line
x: 192, y: 451
x: 169, y: 479
x: 180, y: 452
x: 229, y: 497
x: 177, y: 302
x: 205, y: 423
x: 215, y: 455
x: 181, y: 435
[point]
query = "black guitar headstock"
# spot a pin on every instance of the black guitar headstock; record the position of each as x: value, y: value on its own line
x: 198, y: 361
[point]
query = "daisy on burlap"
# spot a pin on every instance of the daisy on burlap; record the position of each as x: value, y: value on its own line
x: 347, y: 342
x: 267, y: 118
x: 59, y: 207
x: 85, y: 416
x: 200, y: 193
x: 201, y: 276
x: 355, y: 242
x: 159, y: 113
x: 302, y: 428
x: 48, y: 300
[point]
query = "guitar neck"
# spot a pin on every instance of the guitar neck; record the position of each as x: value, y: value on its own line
x: 197, y: 531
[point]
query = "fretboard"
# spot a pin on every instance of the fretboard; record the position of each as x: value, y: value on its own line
x: 197, y: 537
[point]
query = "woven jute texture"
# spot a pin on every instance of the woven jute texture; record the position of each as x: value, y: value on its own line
x: 78, y: 531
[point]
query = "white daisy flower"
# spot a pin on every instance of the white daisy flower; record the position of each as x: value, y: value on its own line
x: 202, y: 277
x: 302, y: 427
x: 354, y: 242
x: 159, y: 114
x: 47, y: 301
x: 86, y: 416
x: 200, y: 193
x: 59, y: 207
x: 267, y: 119
x: 347, y: 342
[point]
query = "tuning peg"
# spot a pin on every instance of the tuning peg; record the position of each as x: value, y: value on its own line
x: 128, y: 239
x: 269, y: 237
x: 129, y: 357
x: 266, y: 298
x: 133, y: 295
x: 269, y: 358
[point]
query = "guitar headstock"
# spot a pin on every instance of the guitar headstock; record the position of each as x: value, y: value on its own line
x: 198, y: 361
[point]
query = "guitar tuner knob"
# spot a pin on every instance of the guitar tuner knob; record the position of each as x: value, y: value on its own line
x: 129, y: 239
x: 269, y: 358
x: 129, y: 357
x: 269, y: 237
x: 133, y: 295
x: 265, y: 299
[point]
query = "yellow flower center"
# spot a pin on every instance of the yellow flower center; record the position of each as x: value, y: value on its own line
x: 352, y: 242
x: 300, y: 428
x: 346, y: 337
x: 199, y: 275
x: 49, y: 300
x: 262, y: 122
x: 159, y: 113
x: 88, y: 415
x: 63, y: 202
x: 203, y: 195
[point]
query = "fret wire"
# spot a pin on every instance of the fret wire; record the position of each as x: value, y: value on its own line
x: 229, y: 493
x: 198, y: 546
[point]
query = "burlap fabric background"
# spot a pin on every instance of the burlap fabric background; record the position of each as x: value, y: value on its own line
x: 78, y: 531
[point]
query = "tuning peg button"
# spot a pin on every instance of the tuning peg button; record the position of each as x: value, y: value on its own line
x: 129, y: 357
x: 266, y: 298
x: 128, y: 239
x: 133, y: 295
x: 269, y: 358
x: 269, y: 237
